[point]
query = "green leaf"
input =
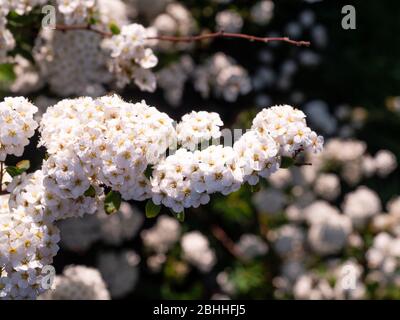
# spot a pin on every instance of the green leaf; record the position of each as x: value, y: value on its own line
x: 91, y: 192
x: 19, y: 168
x: 7, y: 74
x: 148, y: 172
x: 286, y: 162
x: 112, y: 202
x: 114, y: 29
x: 152, y: 210
x: 180, y: 216
x: 92, y: 20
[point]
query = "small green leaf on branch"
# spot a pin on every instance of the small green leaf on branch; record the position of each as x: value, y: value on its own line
x: 286, y: 162
x: 152, y: 210
x: 112, y: 202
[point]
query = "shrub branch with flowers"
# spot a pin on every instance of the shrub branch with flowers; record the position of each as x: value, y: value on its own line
x: 100, y: 151
x: 317, y: 210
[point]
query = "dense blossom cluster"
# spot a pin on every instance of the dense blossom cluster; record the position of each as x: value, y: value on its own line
x: 27, y: 245
x: 197, y: 251
x: 112, y: 142
x: 196, y: 127
x: 59, y: 57
x: 17, y: 125
x: 78, y: 283
x: 131, y: 59
x: 222, y: 75
x: 75, y: 12
x: 93, y: 143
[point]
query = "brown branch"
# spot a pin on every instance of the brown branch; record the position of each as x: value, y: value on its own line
x: 227, y: 242
x: 205, y: 36
x: 1, y: 177
x: 88, y: 27
x: 301, y: 164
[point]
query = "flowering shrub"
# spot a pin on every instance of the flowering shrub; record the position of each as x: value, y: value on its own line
x: 271, y: 210
x: 109, y: 143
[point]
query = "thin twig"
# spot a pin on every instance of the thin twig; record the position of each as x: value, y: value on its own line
x: 301, y: 164
x: 88, y: 27
x: 205, y: 36
x: 1, y: 177
x: 226, y: 241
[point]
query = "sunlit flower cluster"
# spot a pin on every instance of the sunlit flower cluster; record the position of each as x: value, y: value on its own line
x: 196, y: 127
x: 114, y: 143
x: 16, y: 125
x: 131, y: 149
x: 27, y: 245
x: 76, y: 11
x: 131, y: 59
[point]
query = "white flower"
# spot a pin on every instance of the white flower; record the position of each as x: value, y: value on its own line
x: 329, y: 235
x: 78, y: 283
x: 16, y: 125
x: 360, y: 205
x: 163, y: 235
x: 120, y: 271
x: 196, y: 127
x: 229, y: 21
x: 262, y: 12
x: 252, y: 246
x: 221, y: 74
x: 327, y: 186
x: 130, y: 58
x: 385, y: 162
x: 75, y: 11
x: 196, y: 250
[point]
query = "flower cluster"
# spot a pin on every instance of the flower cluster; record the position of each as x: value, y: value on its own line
x: 173, y: 77
x: 76, y: 11
x: 80, y: 234
x: 229, y: 21
x: 262, y: 12
x: 221, y: 74
x: 111, y: 142
x: 20, y: 6
x: 16, y: 125
x: 197, y: 251
x: 120, y: 271
x: 92, y: 143
x: 131, y: 59
x: 176, y: 20
x: 196, y: 127
x: 287, y: 126
x: 72, y: 62
x: 78, y: 283
x: 324, y: 223
x: 27, y: 245
x: 7, y: 42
